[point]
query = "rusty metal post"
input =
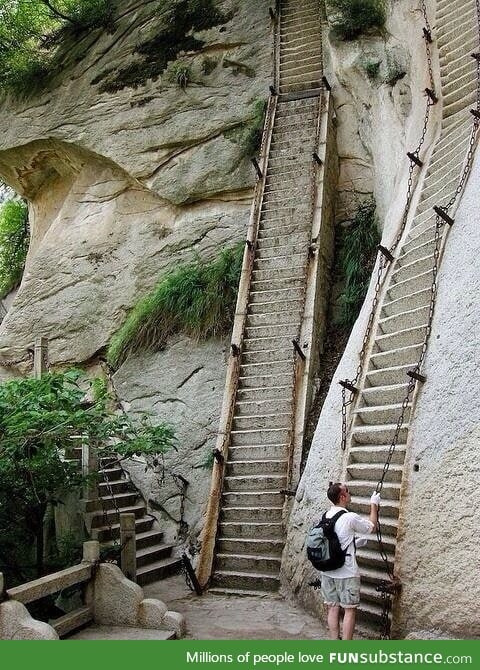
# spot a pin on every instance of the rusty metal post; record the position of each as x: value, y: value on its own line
x: 128, y: 546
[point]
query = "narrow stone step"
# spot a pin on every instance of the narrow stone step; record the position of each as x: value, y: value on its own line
x: 263, y: 407
x: 281, y: 261
x: 260, y: 421
x: 248, y: 563
x: 378, y: 434
x: 251, y: 529
x: 270, y: 367
x: 409, y: 302
x: 253, y: 345
x: 110, y: 474
x: 268, y: 355
x: 258, y: 436
x: 278, y: 273
x: 423, y: 250
x: 153, y: 554
x: 408, y: 319
x: 255, y: 483
x: 373, y: 472
x: 291, y: 293
x: 264, y: 393
x: 389, y: 508
x: 373, y: 454
x: 249, y: 581
x: 106, y: 533
x: 148, y: 538
x: 249, y: 468
x: 360, y: 488
x: 250, y: 546
x: 284, y: 330
x: 409, y: 286
x: 265, y: 381
x: 102, y: 518
x: 258, y: 499
x: 272, y: 319
x: 238, y: 514
x: 372, y: 559
x: 158, y: 570
x: 401, y: 338
x: 413, y: 269
x: 391, y: 395
x: 269, y: 231
x: 109, y: 502
x: 388, y: 376
x: 381, y: 414
x: 258, y: 452
x: 273, y: 307
x: 402, y: 356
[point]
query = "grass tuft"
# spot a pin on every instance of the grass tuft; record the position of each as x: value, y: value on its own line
x: 197, y: 299
x: 357, y: 253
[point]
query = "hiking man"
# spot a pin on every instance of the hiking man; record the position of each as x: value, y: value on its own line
x: 341, y: 587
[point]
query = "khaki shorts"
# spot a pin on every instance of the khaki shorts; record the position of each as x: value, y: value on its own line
x: 341, y: 591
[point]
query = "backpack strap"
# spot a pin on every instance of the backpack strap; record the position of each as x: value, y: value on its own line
x: 336, y: 516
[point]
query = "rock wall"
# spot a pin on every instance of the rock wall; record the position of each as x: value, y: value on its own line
x: 128, y: 174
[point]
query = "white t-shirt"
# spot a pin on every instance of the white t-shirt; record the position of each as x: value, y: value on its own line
x: 346, y: 528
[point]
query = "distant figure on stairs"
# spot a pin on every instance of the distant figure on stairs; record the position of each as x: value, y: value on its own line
x: 341, y: 587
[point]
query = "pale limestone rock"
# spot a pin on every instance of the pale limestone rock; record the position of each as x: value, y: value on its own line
x: 17, y: 624
x: 182, y: 385
x: 124, y: 186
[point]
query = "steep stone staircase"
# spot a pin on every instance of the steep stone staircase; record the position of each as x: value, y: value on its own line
x: 250, y: 535
x: 117, y: 495
x: 405, y: 306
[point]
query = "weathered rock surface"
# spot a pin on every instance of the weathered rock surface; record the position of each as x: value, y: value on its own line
x: 124, y: 185
x: 183, y: 386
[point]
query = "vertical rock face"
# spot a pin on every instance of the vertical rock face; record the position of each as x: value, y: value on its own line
x: 438, y: 565
x: 128, y: 172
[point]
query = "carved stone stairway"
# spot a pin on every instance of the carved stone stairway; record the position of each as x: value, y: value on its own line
x: 405, y: 306
x: 118, y: 495
x: 250, y: 534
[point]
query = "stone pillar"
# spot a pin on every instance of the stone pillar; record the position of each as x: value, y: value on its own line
x: 91, y: 551
x: 128, y: 544
x: 90, y: 470
x: 40, y: 359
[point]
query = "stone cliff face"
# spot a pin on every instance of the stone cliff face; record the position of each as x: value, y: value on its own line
x: 124, y: 182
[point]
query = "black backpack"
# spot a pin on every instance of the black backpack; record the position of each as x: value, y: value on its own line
x: 323, y: 546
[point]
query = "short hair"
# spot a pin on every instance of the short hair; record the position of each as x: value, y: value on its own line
x: 334, y: 491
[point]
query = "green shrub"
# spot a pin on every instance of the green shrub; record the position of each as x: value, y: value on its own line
x: 372, y: 68
x: 351, y: 18
x: 197, y: 299
x: 180, y: 73
x: 14, y: 241
x: 249, y: 134
x: 357, y: 252
x: 31, y: 32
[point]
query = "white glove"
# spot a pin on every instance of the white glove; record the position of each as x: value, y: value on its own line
x: 375, y: 499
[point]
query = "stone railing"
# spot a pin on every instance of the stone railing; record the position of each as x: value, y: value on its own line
x: 109, y: 599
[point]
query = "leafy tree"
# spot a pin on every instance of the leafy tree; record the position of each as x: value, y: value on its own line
x: 41, y: 421
x: 14, y: 241
x: 30, y: 31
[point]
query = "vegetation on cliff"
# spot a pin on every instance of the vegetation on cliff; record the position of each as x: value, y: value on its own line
x: 14, y: 241
x: 41, y: 421
x: 197, y: 299
x: 357, y: 250
x: 351, y: 18
x: 31, y: 32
